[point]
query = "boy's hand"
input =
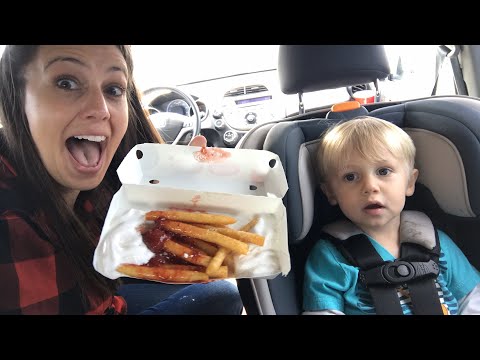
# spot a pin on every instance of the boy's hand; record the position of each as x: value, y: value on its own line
x: 198, y: 140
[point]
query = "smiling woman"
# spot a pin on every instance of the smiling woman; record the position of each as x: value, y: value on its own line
x: 79, y: 131
x: 70, y: 114
x: 56, y: 177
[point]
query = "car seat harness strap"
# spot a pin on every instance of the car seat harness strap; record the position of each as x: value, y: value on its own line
x: 417, y: 268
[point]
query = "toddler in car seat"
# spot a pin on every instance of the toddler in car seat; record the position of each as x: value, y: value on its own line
x: 367, y: 169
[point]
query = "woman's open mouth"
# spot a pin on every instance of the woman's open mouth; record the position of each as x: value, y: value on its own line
x: 86, y: 151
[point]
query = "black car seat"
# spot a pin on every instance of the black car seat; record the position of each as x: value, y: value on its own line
x: 446, y: 132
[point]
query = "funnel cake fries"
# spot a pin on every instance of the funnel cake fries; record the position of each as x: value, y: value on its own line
x: 191, y: 247
x: 237, y: 234
x: 165, y: 273
x: 191, y: 217
x: 205, y: 234
x: 222, y: 253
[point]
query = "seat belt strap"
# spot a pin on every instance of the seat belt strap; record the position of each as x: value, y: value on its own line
x: 424, y: 295
x: 423, y: 291
x: 386, y: 300
x: 416, y: 267
x: 360, y: 252
x: 443, y: 53
x: 458, y: 76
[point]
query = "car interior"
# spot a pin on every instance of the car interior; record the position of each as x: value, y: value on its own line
x: 445, y: 130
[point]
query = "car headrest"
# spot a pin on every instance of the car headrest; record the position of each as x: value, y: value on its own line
x: 306, y: 68
x: 346, y: 110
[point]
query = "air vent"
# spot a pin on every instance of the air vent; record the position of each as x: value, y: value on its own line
x: 243, y: 90
x: 359, y: 88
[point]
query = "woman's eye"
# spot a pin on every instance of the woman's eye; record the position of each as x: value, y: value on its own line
x: 349, y: 177
x: 383, y: 171
x: 67, y: 84
x: 116, y: 90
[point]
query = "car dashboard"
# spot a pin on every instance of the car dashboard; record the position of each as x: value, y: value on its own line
x: 241, y: 103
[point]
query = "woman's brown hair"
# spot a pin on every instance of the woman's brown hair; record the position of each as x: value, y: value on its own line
x: 66, y: 228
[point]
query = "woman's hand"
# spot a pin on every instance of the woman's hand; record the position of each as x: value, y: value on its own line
x: 198, y: 140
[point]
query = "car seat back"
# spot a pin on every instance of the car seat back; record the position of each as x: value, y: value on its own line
x: 446, y: 132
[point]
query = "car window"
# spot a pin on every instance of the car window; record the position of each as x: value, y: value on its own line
x: 414, y: 72
x: 211, y: 72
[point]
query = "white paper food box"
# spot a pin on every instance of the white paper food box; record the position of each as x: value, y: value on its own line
x: 241, y: 183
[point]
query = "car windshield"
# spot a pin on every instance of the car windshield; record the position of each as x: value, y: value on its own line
x: 210, y: 70
x: 182, y: 64
x: 224, y: 77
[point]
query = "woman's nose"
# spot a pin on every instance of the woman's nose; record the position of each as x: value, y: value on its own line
x: 96, y: 106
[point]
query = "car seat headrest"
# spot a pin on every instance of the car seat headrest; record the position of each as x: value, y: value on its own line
x: 306, y: 68
x: 346, y: 110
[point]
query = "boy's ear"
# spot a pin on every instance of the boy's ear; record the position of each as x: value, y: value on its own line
x: 411, y: 182
x: 329, y: 194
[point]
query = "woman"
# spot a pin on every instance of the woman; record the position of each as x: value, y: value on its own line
x: 70, y: 114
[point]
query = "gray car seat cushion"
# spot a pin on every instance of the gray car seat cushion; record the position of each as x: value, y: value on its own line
x: 415, y: 227
x: 446, y: 179
x: 286, y: 139
x: 308, y: 180
x: 454, y: 127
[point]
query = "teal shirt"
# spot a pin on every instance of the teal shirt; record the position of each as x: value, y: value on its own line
x: 331, y: 283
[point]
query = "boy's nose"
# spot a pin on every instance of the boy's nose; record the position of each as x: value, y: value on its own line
x: 370, y: 184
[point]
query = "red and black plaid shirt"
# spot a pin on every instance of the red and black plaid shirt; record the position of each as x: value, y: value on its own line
x: 36, y: 277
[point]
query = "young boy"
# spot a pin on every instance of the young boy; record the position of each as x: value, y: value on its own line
x: 367, y: 169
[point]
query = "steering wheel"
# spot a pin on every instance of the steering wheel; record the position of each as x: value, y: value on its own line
x: 172, y: 126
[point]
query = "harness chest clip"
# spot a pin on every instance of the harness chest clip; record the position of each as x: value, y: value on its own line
x: 398, y: 272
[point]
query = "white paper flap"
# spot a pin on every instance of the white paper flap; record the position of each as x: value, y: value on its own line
x: 234, y: 171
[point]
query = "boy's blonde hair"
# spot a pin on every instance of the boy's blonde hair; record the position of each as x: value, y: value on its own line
x: 366, y: 136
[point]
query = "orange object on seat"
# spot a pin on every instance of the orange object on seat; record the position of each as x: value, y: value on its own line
x: 345, y: 106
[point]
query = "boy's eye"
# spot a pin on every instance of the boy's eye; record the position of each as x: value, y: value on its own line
x: 383, y: 171
x: 349, y: 177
